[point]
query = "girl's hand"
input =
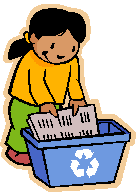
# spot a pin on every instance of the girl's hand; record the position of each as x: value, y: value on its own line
x: 76, y: 104
x: 49, y: 107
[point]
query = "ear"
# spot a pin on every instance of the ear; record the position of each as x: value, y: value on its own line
x: 33, y: 39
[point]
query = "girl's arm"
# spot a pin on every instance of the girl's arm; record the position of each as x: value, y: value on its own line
x: 37, y: 87
x: 40, y: 92
x: 75, y: 89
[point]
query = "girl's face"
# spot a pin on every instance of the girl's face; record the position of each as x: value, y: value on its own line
x: 55, y: 49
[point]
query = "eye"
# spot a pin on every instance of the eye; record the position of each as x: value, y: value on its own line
x: 52, y: 46
x: 73, y: 49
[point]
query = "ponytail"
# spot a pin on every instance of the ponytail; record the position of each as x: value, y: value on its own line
x: 19, y: 48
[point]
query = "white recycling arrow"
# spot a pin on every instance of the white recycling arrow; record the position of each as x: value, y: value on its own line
x: 86, y: 152
x: 92, y: 171
x: 77, y: 172
x: 80, y: 172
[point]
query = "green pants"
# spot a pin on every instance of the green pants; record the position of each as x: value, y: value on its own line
x: 18, y: 113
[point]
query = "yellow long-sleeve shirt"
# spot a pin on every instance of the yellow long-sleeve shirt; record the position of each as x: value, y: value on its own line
x: 37, y: 82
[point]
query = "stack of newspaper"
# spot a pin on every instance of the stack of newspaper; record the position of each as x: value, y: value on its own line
x: 47, y: 127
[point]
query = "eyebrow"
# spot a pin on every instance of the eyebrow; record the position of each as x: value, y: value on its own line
x: 60, y: 34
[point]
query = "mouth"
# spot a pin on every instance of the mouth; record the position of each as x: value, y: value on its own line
x: 60, y: 57
x: 44, y: 54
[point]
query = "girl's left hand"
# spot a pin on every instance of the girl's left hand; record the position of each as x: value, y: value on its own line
x: 76, y: 104
x: 49, y: 107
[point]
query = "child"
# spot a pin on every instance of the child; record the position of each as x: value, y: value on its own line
x: 47, y: 70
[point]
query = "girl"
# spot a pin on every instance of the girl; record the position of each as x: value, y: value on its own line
x: 47, y: 70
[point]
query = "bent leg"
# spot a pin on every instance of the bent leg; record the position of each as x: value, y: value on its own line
x: 18, y: 115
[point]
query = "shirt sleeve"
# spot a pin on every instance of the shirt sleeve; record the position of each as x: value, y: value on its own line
x: 38, y: 87
x: 75, y: 89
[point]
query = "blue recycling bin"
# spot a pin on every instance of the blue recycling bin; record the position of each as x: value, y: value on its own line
x: 79, y: 161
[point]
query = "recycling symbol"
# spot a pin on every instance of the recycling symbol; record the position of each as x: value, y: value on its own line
x: 75, y: 163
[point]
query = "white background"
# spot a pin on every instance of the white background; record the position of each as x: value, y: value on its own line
x: 111, y: 76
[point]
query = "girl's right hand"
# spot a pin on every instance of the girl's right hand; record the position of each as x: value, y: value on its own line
x: 49, y: 107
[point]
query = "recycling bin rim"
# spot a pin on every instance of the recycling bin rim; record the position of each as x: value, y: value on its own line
x: 106, y: 138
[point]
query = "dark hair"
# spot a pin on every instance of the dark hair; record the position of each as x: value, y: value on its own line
x: 50, y: 22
